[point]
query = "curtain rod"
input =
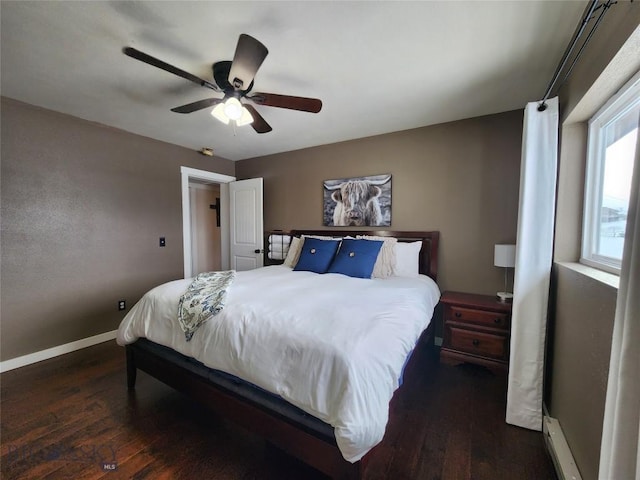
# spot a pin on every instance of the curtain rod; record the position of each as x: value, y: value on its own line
x: 586, y: 19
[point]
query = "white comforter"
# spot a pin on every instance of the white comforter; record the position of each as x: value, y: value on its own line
x: 332, y: 345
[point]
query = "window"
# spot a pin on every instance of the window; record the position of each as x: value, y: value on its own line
x: 613, y: 136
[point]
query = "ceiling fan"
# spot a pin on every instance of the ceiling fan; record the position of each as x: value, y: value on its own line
x: 235, y: 80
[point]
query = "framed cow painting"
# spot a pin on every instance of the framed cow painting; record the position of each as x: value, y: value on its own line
x: 357, y: 202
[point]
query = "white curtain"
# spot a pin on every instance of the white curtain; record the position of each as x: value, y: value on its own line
x: 620, y: 452
x: 534, y: 251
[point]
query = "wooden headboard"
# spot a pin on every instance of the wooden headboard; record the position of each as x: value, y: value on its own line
x: 428, y: 253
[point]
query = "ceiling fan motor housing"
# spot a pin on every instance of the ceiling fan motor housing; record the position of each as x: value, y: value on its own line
x: 221, y: 76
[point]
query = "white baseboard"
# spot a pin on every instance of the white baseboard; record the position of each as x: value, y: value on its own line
x: 18, y: 362
x: 566, y: 467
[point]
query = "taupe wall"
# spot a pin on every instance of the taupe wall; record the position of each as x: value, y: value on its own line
x: 571, y: 174
x: 582, y: 346
x: 83, y: 207
x: 460, y: 178
x: 581, y: 323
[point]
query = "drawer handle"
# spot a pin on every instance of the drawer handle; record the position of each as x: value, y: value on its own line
x: 458, y: 314
x: 496, y: 320
x: 475, y: 342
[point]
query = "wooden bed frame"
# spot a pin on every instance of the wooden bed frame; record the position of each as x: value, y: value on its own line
x: 280, y: 423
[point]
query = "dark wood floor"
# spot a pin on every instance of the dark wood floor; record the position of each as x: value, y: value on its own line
x: 71, y: 418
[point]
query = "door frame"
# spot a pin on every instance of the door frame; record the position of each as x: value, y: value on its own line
x: 187, y: 174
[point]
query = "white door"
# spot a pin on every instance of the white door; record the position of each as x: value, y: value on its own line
x: 246, y: 239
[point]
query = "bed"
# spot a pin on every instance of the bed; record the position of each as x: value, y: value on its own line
x: 304, y: 396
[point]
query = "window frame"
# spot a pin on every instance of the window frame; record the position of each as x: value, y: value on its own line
x: 627, y: 98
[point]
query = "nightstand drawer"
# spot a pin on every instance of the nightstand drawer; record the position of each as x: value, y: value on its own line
x: 479, y: 317
x: 478, y: 343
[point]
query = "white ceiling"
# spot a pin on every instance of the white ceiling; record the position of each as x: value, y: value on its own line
x: 378, y: 67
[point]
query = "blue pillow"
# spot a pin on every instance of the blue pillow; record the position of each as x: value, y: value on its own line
x: 316, y: 255
x: 356, y: 258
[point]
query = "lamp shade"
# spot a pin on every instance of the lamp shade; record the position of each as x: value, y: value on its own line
x: 233, y: 108
x: 245, y: 119
x: 218, y: 112
x: 504, y: 256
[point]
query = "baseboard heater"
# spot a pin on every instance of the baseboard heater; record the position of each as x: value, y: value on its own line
x: 565, y: 466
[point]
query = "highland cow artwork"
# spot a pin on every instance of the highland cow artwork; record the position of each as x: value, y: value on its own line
x: 358, y: 202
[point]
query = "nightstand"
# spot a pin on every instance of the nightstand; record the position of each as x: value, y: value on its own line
x: 476, y: 330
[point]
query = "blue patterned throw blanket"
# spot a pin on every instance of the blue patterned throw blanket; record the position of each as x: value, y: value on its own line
x: 203, y: 299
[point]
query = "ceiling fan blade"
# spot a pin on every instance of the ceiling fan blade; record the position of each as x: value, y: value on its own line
x: 304, y: 104
x: 195, y: 106
x: 250, y: 54
x: 143, y: 57
x: 259, y: 124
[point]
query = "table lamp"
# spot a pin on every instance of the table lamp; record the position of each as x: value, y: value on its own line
x: 504, y: 256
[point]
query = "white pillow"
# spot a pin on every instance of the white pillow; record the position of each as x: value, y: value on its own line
x: 293, y: 255
x: 408, y: 259
x: 386, y: 261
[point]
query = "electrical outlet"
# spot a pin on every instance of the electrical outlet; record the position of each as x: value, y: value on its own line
x: 162, y: 242
x: 122, y: 305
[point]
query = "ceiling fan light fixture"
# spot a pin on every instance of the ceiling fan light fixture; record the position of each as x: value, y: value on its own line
x: 218, y: 113
x: 233, y: 108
